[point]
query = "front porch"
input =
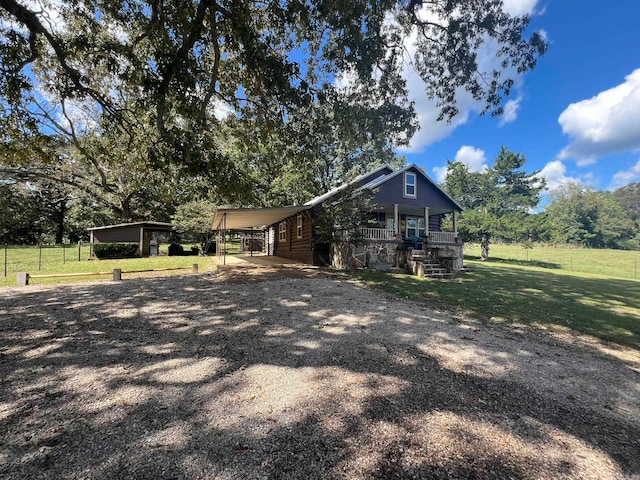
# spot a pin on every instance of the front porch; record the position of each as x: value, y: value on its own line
x: 429, y: 238
x: 434, y: 253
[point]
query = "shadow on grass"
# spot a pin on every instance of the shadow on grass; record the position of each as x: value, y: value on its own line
x: 195, y: 378
x: 514, y: 261
x: 608, y: 309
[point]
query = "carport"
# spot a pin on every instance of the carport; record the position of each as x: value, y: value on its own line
x: 259, y: 219
x: 137, y: 232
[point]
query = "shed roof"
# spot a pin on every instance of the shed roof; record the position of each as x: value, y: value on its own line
x: 156, y: 226
x: 244, y: 218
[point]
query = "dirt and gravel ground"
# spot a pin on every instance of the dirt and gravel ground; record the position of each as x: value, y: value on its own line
x: 298, y: 374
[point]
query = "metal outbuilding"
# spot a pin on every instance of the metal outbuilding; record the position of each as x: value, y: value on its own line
x: 137, y: 232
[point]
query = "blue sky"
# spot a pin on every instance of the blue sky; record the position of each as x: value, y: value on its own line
x: 576, y: 117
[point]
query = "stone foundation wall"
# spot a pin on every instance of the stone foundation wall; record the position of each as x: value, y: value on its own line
x: 450, y: 257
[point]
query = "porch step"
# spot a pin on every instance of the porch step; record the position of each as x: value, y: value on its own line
x: 433, y: 269
x: 439, y: 275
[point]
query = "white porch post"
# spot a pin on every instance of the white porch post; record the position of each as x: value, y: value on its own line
x: 396, y: 219
x: 426, y: 221
x: 455, y: 223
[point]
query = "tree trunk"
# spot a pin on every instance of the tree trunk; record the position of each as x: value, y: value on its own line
x: 60, y: 214
x: 484, y: 247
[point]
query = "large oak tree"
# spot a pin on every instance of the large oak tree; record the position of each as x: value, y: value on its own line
x: 198, y: 74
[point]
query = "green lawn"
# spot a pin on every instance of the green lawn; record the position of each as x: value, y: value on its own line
x: 598, y: 305
x: 54, y: 261
x: 612, y: 263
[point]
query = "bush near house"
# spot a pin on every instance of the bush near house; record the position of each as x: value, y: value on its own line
x: 177, y: 250
x: 115, y: 250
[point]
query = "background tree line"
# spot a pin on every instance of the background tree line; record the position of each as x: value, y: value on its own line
x: 503, y: 203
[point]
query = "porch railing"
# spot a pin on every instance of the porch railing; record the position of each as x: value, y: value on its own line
x: 377, y: 233
x: 442, y: 237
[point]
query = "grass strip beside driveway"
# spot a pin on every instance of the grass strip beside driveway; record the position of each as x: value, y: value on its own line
x: 604, y: 307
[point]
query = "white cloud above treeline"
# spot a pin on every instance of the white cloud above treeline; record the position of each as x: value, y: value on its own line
x: 474, y: 158
x: 624, y: 177
x: 555, y: 175
x: 604, y: 124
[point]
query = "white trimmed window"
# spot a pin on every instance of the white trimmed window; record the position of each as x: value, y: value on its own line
x: 282, y: 231
x: 299, y: 226
x: 410, y: 185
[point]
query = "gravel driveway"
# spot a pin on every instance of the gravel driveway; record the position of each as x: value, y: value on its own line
x: 298, y: 374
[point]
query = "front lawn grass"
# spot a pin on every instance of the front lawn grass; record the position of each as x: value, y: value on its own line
x: 608, y: 262
x: 26, y: 259
x: 604, y: 307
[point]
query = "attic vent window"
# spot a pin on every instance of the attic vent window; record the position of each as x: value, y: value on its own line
x: 410, y: 185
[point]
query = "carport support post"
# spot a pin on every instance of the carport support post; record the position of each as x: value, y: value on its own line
x: 23, y: 279
x: 224, y: 239
x: 117, y: 274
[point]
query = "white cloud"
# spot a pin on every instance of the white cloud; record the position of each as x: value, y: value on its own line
x: 604, y: 124
x: 440, y: 173
x: 625, y: 177
x: 520, y: 7
x: 431, y: 130
x: 555, y: 174
x: 474, y: 158
x: 510, y: 111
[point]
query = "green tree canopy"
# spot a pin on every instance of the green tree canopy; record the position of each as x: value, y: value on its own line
x: 583, y: 216
x: 628, y: 197
x: 188, y: 62
x: 496, y: 201
x: 196, y: 219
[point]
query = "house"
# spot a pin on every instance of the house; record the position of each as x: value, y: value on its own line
x: 405, y: 225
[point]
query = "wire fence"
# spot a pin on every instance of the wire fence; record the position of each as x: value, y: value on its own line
x: 17, y: 258
x: 610, y: 263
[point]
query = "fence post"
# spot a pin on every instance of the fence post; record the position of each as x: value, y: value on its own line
x: 6, y: 245
x: 40, y: 257
x: 79, y: 247
x: 64, y: 254
x: 117, y: 274
x: 23, y: 279
x: 194, y: 268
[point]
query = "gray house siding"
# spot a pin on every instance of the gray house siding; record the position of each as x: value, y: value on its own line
x: 392, y: 192
x: 374, y: 175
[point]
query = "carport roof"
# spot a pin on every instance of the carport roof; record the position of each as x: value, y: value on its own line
x: 155, y: 226
x: 244, y: 218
